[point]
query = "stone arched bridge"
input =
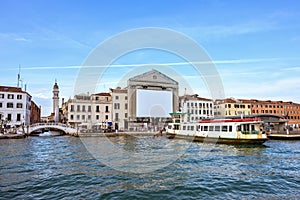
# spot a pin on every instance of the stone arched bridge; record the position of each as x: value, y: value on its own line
x: 69, y: 130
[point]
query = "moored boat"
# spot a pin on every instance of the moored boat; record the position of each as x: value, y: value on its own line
x: 221, y: 131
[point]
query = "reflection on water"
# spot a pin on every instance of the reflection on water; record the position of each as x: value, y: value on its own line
x: 61, y: 167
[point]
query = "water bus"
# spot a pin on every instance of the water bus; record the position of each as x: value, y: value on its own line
x: 221, y: 131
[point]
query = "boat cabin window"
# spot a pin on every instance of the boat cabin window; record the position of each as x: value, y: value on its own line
x: 217, y: 128
x: 176, y: 127
x: 183, y: 128
x: 252, y: 127
x: 205, y: 128
x: 169, y: 127
x: 246, y: 127
x: 201, y: 128
x: 230, y: 128
x: 224, y: 128
x: 238, y: 128
x: 211, y: 128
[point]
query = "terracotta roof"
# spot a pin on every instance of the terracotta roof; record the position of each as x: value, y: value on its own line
x: 194, y: 97
x: 118, y: 90
x: 103, y: 94
x: 12, y: 89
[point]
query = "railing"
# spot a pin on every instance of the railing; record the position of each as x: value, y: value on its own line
x: 50, y: 124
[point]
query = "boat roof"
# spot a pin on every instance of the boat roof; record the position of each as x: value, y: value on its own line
x: 229, y: 120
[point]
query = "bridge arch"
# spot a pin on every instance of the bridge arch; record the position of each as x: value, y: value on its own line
x: 69, y: 130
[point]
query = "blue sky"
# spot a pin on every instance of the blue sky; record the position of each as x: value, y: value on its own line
x: 255, y: 44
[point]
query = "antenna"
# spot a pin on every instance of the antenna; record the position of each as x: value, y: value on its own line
x: 19, y: 76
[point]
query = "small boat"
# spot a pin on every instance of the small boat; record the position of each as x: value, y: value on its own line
x: 221, y: 131
x: 284, y: 136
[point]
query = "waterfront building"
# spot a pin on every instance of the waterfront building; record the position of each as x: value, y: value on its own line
x: 119, y: 108
x: 151, y: 97
x: 89, y: 111
x: 35, y: 113
x: 231, y: 107
x: 196, y: 108
x: 290, y: 111
x: 15, y: 106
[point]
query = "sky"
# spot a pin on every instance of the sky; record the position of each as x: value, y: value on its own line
x: 254, y: 45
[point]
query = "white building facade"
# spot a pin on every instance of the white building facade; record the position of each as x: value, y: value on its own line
x: 197, y: 108
x: 14, y: 106
x: 120, y: 108
x: 89, y: 111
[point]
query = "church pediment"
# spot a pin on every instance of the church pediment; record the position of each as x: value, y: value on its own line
x: 153, y: 76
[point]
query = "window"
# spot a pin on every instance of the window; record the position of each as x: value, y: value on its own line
x: 106, y: 117
x: 10, y: 96
x: 230, y: 128
x: 97, y: 117
x: 106, y: 109
x: 126, y: 106
x: 83, y: 108
x: 224, y: 128
x: 116, y: 106
x: 205, y: 128
x: 72, y: 117
x: 1, y: 96
x: 229, y: 105
x: 78, y: 117
x: 19, y: 96
x: 9, y: 117
x: 78, y: 108
x: 116, y: 116
x: 117, y: 97
x: 97, y: 109
x: 89, y: 109
x: 184, y: 128
x: 72, y: 108
x: 126, y: 115
x: 10, y: 105
x: 192, y: 128
x: 125, y: 97
x: 192, y: 104
x: 83, y: 117
x: 211, y: 128
x: 18, y: 117
x: 217, y: 128
x: 0, y: 104
x: 89, y: 117
x: 19, y: 105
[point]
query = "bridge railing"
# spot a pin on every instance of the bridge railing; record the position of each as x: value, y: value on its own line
x: 51, y: 124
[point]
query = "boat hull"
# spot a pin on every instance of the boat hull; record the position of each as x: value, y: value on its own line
x: 257, y: 141
x: 284, y: 137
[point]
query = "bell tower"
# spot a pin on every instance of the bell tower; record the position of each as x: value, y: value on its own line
x: 55, y: 99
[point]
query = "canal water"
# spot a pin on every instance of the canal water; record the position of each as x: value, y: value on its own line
x: 146, y: 168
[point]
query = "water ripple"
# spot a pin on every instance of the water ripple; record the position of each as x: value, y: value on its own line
x: 62, y: 168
